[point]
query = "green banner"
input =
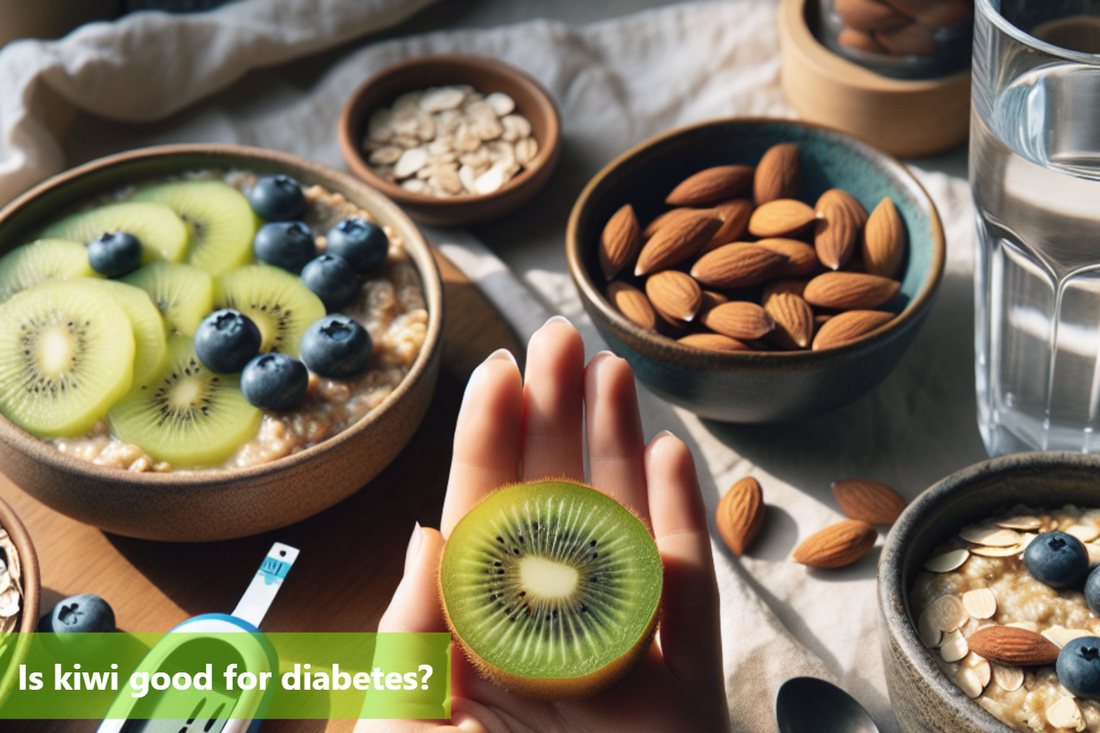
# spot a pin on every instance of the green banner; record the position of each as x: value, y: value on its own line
x: 213, y: 677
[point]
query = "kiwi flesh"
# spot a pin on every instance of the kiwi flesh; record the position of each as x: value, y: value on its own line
x: 185, y: 414
x: 162, y: 234
x: 150, y: 335
x: 66, y: 355
x: 219, y: 218
x: 42, y: 261
x: 183, y: 294
x: 551, y: 588
x: 277, y: 301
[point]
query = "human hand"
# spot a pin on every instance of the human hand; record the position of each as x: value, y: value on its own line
x: 512, y: 429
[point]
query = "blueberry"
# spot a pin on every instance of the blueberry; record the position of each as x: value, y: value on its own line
x: 1078, y: 666
x: 364, y: 245
x: 115, y: 254
x: 332, y: 279
x: 285, y: 244
x: 336, y: 347
x: 277, y: 198
x: 226, y: 340
x: 274, y: 382
x: 1092, y: 590
x: 1057, y: 559
x: 83, y: 613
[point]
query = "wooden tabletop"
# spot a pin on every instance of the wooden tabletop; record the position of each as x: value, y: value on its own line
x: 352, y: 554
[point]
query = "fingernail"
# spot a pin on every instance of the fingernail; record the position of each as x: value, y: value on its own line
x: 414, y: 547
x: 502, y: 354
x: 475, y: 379
x: 558, y: 319
x: 664, y: 434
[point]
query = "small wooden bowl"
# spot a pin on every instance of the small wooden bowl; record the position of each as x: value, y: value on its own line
x: 32, y: 587
x: 484, y: 74
x: 218, y: 505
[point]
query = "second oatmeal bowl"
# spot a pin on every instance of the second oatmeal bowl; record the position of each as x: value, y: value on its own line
x: 974, y: 638
x: 209, y: 341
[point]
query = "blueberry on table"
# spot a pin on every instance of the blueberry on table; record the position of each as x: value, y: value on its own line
x: 274, y: 382
x: 332, y: 280
x: 277, y: 198
x: 115, y: 254
x: 226, y: 340
x: 84, y: 613
x: 285, y: 244
x: 363, y: 244
x: 336, y: 347
x: 1078, y: 667
x: 1057, y: 559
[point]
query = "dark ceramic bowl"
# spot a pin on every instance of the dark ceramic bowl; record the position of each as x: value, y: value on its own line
x: 18, y: 649
x: 924, y: 699
x: 484, y: 74
x: 757, y: 387
x: 216, y: 505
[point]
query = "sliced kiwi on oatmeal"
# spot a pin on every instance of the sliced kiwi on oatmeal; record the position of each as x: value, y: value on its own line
x: 162, y: 234
x: 150, y: 334
x: 66, y: 356
x: 551, y: 588
x: 184, y: 294
x: 185, y: 414
x: 220, y: 220
x: 277, y: 301
x: 42, y: 261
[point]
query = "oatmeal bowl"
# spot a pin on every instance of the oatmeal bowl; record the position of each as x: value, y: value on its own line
x: 989, y: 599
x: 207, y: 342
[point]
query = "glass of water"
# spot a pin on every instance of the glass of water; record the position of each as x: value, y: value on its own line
x: 1035, y: 173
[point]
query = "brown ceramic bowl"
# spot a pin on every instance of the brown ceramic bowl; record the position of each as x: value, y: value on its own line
x: 218, y: 505
x: 757, y: 386
x: 484, y: 74
x: 32, y: 586
x: 925, y: 699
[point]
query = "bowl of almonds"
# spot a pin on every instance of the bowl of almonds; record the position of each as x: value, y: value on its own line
x: 453, y: 139
x: 755, y: 270
x: 19, y: 594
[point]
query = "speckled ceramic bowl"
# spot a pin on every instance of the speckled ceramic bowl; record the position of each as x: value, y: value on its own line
x: 219, y: 505
x: 757, y: 387
x: 924, y: 699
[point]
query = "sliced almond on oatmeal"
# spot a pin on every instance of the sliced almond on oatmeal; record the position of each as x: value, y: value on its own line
x: 954, y: 647
x: 967, y: 679
x: 980, y: 603
x: 1025, y: 625
x: 930, y: 634
x: 947, y: 613
x: 1065, y: 713
x: 948, y: 561
x: 1021, y: 522
x: 1094, y: 554
x: 1061, y: 636
x: 1007, y: 678
x: 981, y: 667
x: 1083, y: 532
x: 990, y: 535
x: 997, y: 551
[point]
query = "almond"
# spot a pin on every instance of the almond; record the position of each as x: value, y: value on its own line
x: 737, y: 265
x: 735, y: 220
x: 780, y: 217
x: 794, y: 319
x: 850, y: 290
x: 714, y: 342
x: 778, y: 175
x: 782, y: 286
x: 674, y: 294
x: 851, y: 38
x: 871, y: 501
x: 665, y: 218
x: 837, y: 545
x: 841, y: 218
x: 711, y: 299
x: 884, y: 240
x: 909, y: 40
x: 676, y: 241
x: 633, y: 304
x: 740, y: 514
x: 620, y: 242
x: 836, y: 331
x: 801, y: 257
x: 712, y: 186
x: 1012, y: 646
x: 869, y: 15
x: 935, y: 13
x: 739, y: 320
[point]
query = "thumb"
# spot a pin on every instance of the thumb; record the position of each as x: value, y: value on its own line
x: 415, y: 604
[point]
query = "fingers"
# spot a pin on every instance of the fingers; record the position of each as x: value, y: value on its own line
x: 415, y: 605
x: 690, y: 630
x: 616, y: 444
x: 487, y: 438
x: 552, y: 406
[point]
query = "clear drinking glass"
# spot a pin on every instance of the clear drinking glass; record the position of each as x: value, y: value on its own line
x: 1035, y: 173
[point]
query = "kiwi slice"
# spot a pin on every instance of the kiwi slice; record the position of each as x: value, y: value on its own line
x: 277, y: 301
x: 42, y: 261
x: 184, y: 294
x: 66, y: 356
x: 162, y: 234
x: 219, y: 217
x: 551, y: 588
x: 150, y: 334
x: 186, y: 414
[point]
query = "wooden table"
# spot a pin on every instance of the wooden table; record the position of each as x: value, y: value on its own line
x: 352, y: 554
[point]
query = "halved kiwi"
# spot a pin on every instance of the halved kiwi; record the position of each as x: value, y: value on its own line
x: 185, y: 414
x: 42, y: 261
x: 162, y: 234
x: 66, y: 355
x: 277, y: 301
x: 219, y: 218
x: 551, y: 588
x: 150, y: 334
x: 183, y: 294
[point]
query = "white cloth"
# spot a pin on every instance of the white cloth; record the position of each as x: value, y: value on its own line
x: 617, y: 82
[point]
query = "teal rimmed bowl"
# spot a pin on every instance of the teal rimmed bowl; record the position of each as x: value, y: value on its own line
x: 762, y: 386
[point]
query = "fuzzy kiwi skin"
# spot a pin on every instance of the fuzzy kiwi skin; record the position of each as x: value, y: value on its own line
x: 555, y: 689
